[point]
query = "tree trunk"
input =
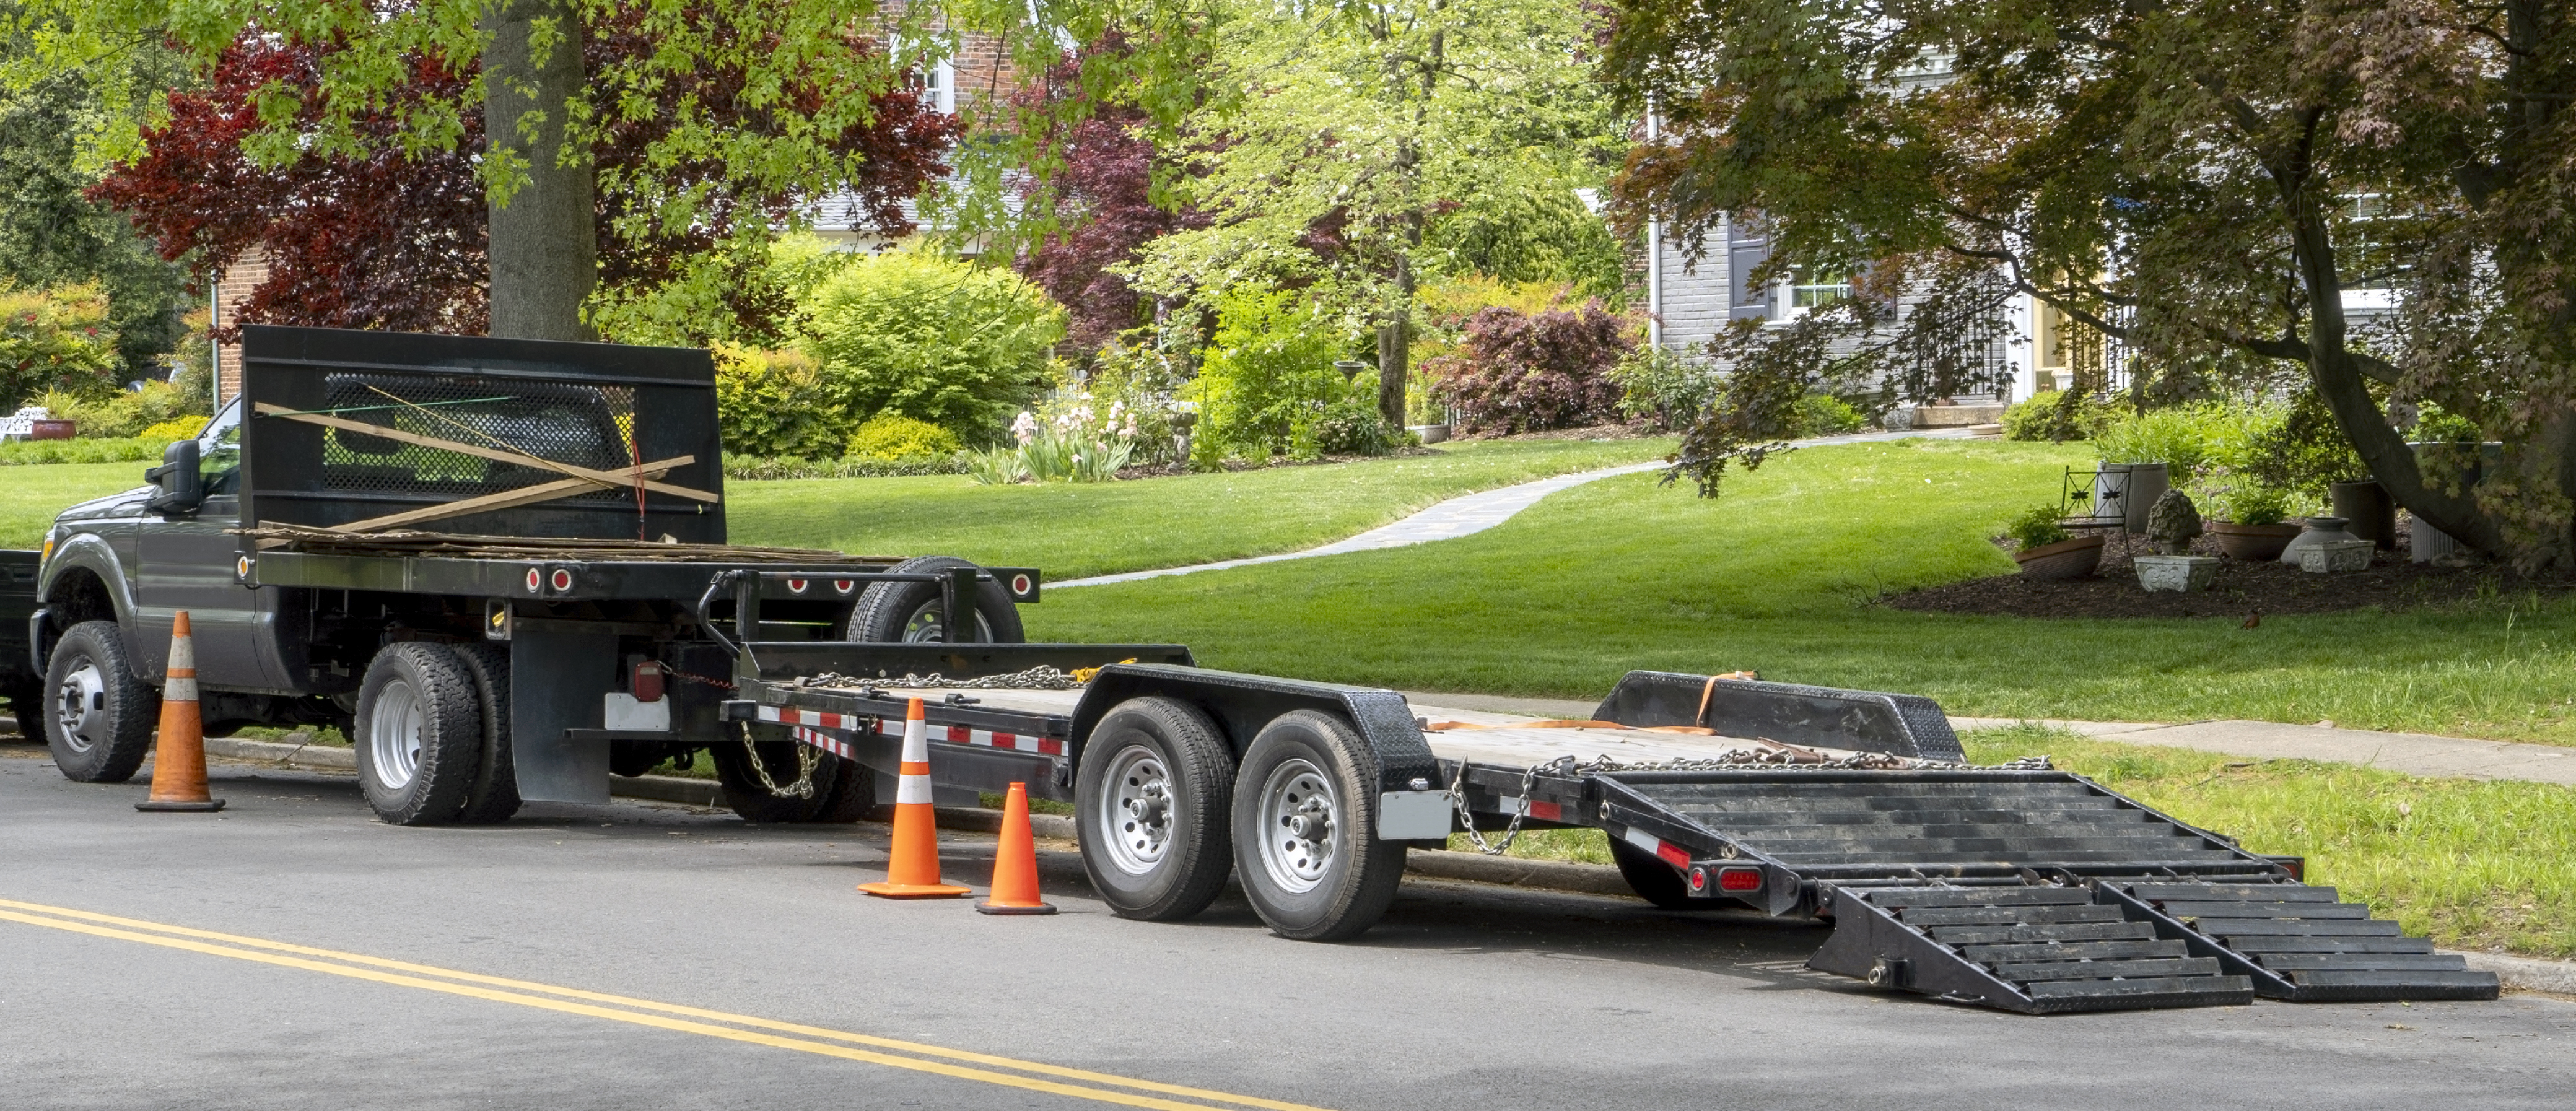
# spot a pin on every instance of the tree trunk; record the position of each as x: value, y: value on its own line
x: 544, y: 245
x: 1395, y: 347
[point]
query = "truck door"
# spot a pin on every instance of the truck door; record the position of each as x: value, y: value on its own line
x: 186, y: 563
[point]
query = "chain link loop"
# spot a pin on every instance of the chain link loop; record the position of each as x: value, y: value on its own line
x: 807, y: 759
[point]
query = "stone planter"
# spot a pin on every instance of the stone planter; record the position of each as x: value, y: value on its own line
x: 2367, y: 511
x: 2066, y: 559
x: 2253, y: 542
x: 1430, y: 433
x: 2328, y: 557
x: 2320, y: 530
x: 53, y: 430
x: 2177, y: 574
x: 2147, y: 482
x: 2426, y: 544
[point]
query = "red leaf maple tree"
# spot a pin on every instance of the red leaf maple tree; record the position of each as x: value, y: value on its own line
x: 1105, y: 195
x: 397, y: 242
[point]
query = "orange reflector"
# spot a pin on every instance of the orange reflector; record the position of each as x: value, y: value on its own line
x: 1739, y: 879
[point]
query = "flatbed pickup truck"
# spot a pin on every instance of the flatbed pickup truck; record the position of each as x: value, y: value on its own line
x: 578, y: 615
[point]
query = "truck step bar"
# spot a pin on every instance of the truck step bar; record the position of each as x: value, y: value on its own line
x: 2297, y: 943
x: 2032, y: 949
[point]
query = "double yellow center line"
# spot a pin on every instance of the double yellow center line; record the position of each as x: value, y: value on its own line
x: 916, y: 1056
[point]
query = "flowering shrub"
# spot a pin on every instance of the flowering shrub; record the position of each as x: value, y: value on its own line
x: 1518, y: 372
x: 1075, y: 442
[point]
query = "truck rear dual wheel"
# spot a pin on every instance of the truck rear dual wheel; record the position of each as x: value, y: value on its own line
x: 1151, y: 799
x: 1305, y: 830
x: 98, y: 717
x: 492, y: 796
x: 420, y: 734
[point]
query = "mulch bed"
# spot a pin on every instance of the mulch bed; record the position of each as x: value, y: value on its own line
x: 2242, y: 589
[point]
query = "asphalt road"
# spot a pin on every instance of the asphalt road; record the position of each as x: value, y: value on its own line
x: 1466, y: 997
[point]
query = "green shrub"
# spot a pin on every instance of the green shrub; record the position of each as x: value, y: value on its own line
x: 2305, y: 452
x: 2038, y: 528
x: 2183, y: 438
x: 2434, y: 425
x: 1351, y: 425
x: 2249, y: 504
x: 772, y: 404
x: 1823, y: 414
x: 55, y: 339
x: 175, y: 430
x: 750, y: 467
x: 21, y: 452
x: 2057, y: 417
x: 1665, y: 388
x: 931, y: 338
x: 125, y: 414
x: 1136, y: 388
x: 1267, y: 378
x: 888, y: 436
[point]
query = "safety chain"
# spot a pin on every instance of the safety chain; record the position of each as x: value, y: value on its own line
x: 1039, y: 678
x: 807, y: 759
x: 718, y: 684
x: 1458, y: 799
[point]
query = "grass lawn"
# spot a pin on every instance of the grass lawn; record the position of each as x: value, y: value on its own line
x: 1777, y: 576
x: 31, y: 495
x: 1070, y: 531
x: 2471, y: 865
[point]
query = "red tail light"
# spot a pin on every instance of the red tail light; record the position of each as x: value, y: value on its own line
x: 1739, y: 879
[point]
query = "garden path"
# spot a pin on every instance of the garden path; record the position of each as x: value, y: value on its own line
x: 1463, y: 516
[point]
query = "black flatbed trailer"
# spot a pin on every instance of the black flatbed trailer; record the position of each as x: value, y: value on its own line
x: 585, y: 618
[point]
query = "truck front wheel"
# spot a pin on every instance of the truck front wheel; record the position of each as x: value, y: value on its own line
x: 420, y: 734
x: 1150, y: 800
x: 1305, y: 830
x: 98, y: 717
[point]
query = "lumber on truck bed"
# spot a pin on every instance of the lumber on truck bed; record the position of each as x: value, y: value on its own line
x: 321, y: 541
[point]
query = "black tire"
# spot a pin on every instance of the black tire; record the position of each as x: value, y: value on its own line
x: 493, y: 796
x: 742, y: 787
x: 1322, y: 778
x: 418, y: 705
x: 1146, y: 749
x: 1655, y: 880
x: 99, y: 718
x: 853, y: 796
x: 891, y: 612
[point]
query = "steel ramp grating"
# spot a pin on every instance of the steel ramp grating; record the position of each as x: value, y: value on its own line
x: 2298, y: 943
x: 2033, y: 949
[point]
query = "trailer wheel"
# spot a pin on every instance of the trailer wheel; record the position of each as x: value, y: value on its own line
x: 1654, y: 880
x: 99, y: 721
x: 1151, y: 798
x: 753, y: 799
x: 853, y: 795
x: 901, y: 612
x: 493, y: 796
x: 1305, y: 830
x: 420, y: 734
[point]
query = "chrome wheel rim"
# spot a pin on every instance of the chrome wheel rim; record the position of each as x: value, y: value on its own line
x: 80, y: 705
x: 393, y: 734
x: 1136, y: 810
x: 1301, y: 826
x: 924, y: 626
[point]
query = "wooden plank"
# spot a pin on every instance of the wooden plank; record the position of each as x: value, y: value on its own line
x: 604, y: 478
x: 506, y: 499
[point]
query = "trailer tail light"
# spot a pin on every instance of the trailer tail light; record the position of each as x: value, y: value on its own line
x: 647, y: 685
x: 1739, y: 879
x: 562, y: 580
x: 1699, y: 879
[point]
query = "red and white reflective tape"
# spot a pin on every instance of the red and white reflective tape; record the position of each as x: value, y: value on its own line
x: 949, y: 734
x: 1671, y: 853
x: 826, y: 742
x: 1540, y: 809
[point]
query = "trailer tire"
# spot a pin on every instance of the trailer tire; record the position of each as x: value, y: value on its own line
x: 752, y: 800
x: 100, y: 719
x: 1305, y: 830
x: 493, y: 796
x: 420, y: 734
x: 853, y: 796
x: 908, y: 612
x: 1653, y: 879
x: 1164, y: 756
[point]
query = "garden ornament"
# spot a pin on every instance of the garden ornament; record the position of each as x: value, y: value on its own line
x: 2173, y: 522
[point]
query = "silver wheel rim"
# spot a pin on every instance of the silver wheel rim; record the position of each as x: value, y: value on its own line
x: 1136, y: 810
x: 924, y: 626
x: 1301, y: 826
x: 393, y: 734
x: 79, y: 705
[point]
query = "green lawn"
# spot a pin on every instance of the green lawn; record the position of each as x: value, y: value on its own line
x: 1777, y: 576
x: 1072, y: 530
x: 31, y: 495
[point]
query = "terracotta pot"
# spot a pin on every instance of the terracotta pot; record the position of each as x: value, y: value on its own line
x: 2066, y: 559
x: 2254, y: 542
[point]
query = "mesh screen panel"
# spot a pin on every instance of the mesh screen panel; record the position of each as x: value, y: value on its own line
x: 584, y: 425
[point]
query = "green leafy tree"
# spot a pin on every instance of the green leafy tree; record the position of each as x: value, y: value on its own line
x: 55, y: 339
x: 931, y: 338
x: 2204, y: 182
x: 1360, y: 148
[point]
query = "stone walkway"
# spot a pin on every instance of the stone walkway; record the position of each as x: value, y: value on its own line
x: 2411, y: 753
x: 1464, y: 516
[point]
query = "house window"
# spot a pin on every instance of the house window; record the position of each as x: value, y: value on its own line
x: 940, y: 82
x: 1816, y: 289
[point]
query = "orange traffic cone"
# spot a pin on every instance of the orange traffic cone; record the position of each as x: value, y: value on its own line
x: 912, y: 869
x: 1015, y: 862
x: 179, y: 764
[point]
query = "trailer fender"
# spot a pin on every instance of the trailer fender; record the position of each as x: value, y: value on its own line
x: 1411, y: 802
x: 1825, y: 717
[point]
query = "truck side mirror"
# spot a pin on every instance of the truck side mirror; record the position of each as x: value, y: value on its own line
x: 177, y: 478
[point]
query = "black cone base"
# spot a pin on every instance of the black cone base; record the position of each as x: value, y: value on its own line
x: 988, y: 908
x: 202, y: 807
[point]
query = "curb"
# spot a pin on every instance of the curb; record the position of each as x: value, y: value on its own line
x: 708, y: 793
x: 289, y: 754
x: 1506, y: 871
x: 2527, y: 973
